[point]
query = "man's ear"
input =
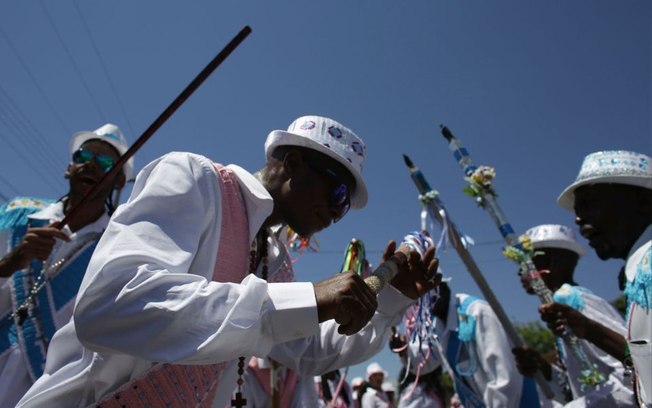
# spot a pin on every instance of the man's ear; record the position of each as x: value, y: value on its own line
x: 66, y: 175
x: 120, y: 181
x: 292, y: 162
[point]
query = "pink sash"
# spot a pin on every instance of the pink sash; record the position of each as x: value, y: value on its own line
x: 175, y: 385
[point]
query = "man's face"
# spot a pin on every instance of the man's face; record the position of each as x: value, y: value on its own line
x: 607, y: 216
x: 376, y: 379
x: 89, y: 164
x: 318, y: 193
x: 550, y: 262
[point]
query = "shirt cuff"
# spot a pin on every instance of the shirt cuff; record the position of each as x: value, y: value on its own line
x: 391, y: 301
x: 294, y: 310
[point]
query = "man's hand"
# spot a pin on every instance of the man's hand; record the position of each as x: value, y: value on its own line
x: 347, y: 299
x: 529, y: 361
x: 397, y: 342
x: 557, y: 316
x: 416, y: 276
x: 36, y: 244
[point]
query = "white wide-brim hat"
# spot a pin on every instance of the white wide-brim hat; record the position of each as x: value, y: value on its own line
x: 330, y: 138
x: 554, y: 236
x: 614, y: 166
x: 110, y: 134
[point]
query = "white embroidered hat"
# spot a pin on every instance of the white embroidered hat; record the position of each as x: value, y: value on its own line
x: 616, y: 166
x: 554, y: 236
x: 330, y: 138
x: 110, y: 134
x: 375, y: 368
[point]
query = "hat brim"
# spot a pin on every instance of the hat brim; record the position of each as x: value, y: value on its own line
x: 567, y: 198
x: 79, y: 138
x: 284, y: 138
x: 561, y: 244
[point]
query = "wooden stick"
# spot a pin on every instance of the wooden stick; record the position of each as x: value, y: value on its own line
x: 163, y: 117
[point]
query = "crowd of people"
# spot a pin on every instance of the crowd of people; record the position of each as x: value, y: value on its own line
x: 185, y: 296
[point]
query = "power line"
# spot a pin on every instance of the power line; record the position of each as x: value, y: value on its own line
x: 34, y: 81
x: 16, y: 120
x: 89, y: 34
x: 36, y: 167
x: 73, y: 62
x: 11, y: 186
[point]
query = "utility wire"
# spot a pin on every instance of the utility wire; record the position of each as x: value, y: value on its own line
x: 73, y: 62
x: 25, y: 67
x: 89, y: 34
x: 36, y: 166
x: 11, y: 187
x: 16, y: 120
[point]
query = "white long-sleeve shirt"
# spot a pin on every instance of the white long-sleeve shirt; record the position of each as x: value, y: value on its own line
x: 613, y: 392
x: 16, y: 379
x: 496, y: 381
x: 148, y: 296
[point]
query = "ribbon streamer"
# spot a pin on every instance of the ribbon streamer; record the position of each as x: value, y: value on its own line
x: 439, y: 215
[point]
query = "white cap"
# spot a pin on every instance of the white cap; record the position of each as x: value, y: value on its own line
x: 357, y: 381
x: 554, y: 236
x: 330, y: 138
x: 110, y: 134
x: 615, y: 166
x: 375, y: 368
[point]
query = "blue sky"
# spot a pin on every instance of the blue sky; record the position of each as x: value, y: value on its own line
x: 529, y: 87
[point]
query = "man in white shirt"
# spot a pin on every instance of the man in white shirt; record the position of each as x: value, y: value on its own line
x: 612, y: 201
x: 556, y: 253
x: 173, y: 302
x: 41, y: 266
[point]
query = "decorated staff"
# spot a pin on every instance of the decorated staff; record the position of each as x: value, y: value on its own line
x: 435, y: 208
x: 160, y: 120
x: 519, y: 249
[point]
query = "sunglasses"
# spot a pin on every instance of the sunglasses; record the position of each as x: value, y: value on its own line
x: 340, y: 197
x: 82, y: 156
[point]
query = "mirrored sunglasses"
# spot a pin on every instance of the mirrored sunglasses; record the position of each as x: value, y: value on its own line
x: 340, y: 197
x: 82, y: 156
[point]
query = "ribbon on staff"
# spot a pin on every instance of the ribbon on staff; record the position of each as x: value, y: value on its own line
x: 451, y: 233
x: 481, y: 188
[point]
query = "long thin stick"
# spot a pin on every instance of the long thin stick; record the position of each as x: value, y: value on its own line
x: 437, y: 212
x: 163, y: 117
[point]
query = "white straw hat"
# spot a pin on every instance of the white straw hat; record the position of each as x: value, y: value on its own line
x: 110, y: 134
x: 616, y: 166
x: 554, y: 236
x: 330, y: 138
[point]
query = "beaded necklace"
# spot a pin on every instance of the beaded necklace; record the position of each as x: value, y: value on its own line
x: 48, y: 272
x: 261, y: 240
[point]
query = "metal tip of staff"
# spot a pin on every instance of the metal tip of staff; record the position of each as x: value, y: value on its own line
x: 407, y: 161
x: 446, y: 132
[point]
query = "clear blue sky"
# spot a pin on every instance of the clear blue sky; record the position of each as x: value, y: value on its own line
x: 529, y: 87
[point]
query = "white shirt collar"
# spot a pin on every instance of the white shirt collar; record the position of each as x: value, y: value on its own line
x: 257, y: 199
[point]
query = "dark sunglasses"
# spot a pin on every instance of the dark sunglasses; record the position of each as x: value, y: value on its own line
x: 340, y: 197
x: 82, y: 156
